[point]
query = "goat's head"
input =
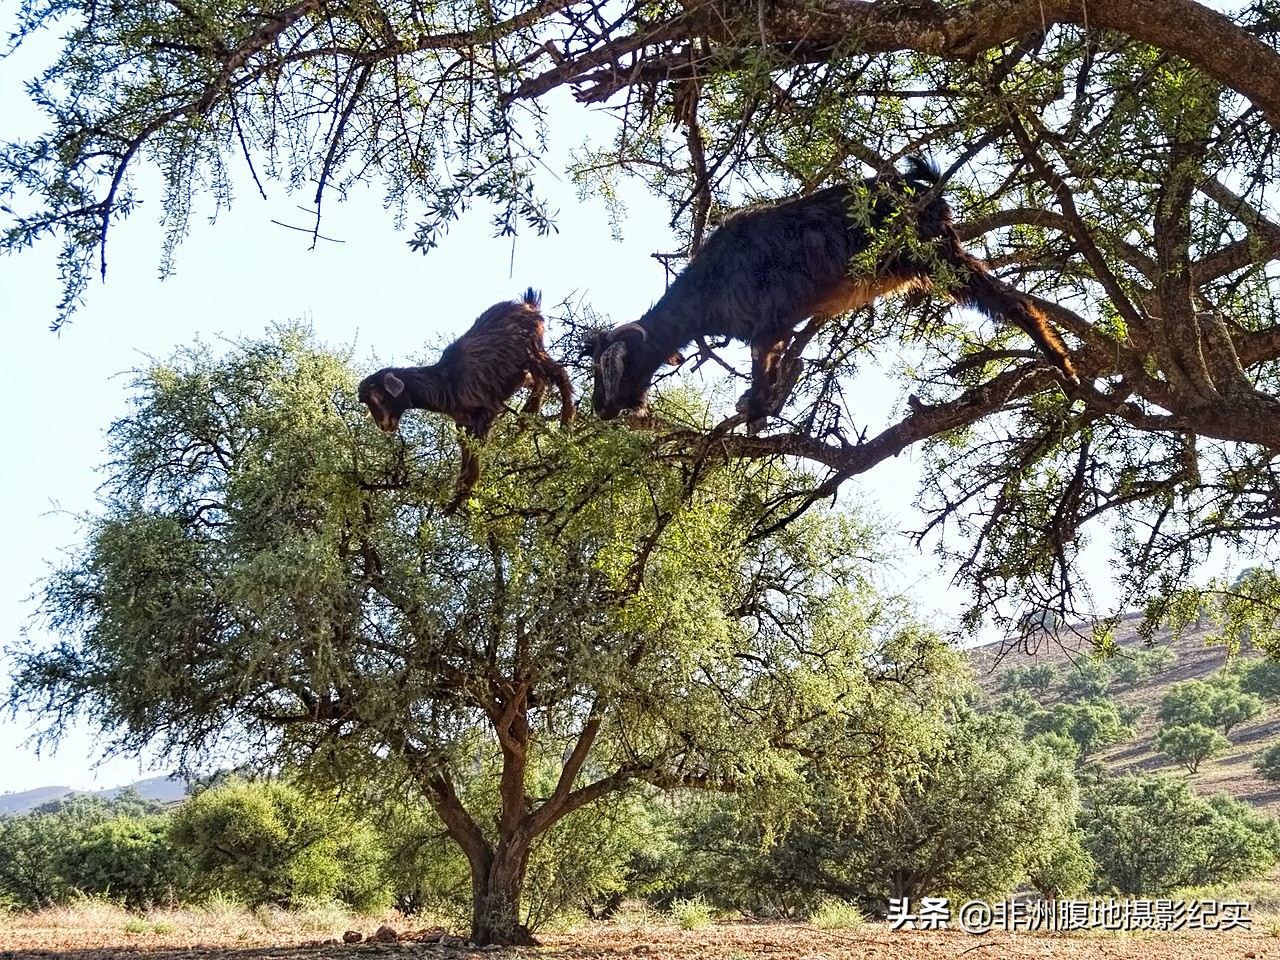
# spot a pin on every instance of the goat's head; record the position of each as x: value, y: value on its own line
x: 623, y: 362
x: 384, y: 394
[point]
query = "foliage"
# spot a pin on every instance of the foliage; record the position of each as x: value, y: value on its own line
x: 694, y: 914
x: 619, y: 848
x: 429, y: 874
x: 1132, y: 667
x: 1188, y: 701
x: 129, y: 858
x: 985, y: 813
x: 1040, y: 677
x: 270, y: 574
x: 1219, y: 703
x: 1268, y: 763
x: 1091, y: 726
x: 1261, y: 677
x: 1013, y: 679
x: 1127, y: 829
x: 1058, y: 743
x: 832, y: 914
x: 267, y: 842
x: 1087, y: 680
x: 88, y: 845
x: 1190, y: 744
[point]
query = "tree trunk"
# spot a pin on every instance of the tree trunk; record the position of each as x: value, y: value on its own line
x: 496, y: 888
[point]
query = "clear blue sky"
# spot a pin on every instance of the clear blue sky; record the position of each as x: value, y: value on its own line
x: 60, y: 393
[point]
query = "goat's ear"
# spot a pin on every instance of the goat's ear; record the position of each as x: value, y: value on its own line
x: 393, y: 384
x: 676, y: 359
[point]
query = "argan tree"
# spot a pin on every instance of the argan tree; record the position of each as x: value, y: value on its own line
x: 271, y: 579
x: 1219, y: 840
x: 1190, y: 744
x: 1116, y: 158
x: 989, y: 812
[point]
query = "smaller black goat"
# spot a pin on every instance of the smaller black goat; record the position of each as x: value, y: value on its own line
x: 769, y: 268
x: 473, y: 380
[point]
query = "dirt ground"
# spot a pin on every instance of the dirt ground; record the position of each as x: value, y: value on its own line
x: 722, y: 941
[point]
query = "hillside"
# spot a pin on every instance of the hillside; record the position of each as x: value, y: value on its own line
x: 1194, y: 658
x: 166, y: 789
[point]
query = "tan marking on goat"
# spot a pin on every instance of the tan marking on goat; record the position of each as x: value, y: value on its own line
x: 851, y: 294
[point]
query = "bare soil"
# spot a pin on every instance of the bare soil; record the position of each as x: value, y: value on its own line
x: 608, y: 941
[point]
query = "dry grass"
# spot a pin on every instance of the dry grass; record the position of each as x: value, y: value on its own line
x: 99, y: 931
x: 95, y: 924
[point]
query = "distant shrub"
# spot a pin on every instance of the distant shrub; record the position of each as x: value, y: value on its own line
x: 694, y: 914
x: 1261, y: 677
x: 1268, y: 764
x: 1131, y: 669
x: 1191, y: 744
x: 266, y: 842
x: 833, y: 914
x: 87, y: 845
x: 1089, y: 681
x: 1093, y: 725
x: 1040, y: 677
x: 1013, y: 679
x: 1219, y: 703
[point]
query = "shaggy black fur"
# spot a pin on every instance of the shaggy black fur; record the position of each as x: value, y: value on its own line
x: 475, y: 377
x: 769, y: 268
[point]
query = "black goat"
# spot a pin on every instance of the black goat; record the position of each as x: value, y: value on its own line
x: 474, y: 378
x: 767, y: 269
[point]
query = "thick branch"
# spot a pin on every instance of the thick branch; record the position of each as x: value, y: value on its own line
x: 811, y: 31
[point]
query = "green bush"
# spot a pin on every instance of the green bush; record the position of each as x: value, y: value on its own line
x: 832, y: 914
x: 130, y: 859
x: 1261, y: 677
x: 1268, y: 764
x: 1219, y: 703
x: 1013, y: 679
x: 85, y: 844
x: 1092, y: 726
x: 1088, y: 681
x: 1040, y: 677
x: 1191, y: 744
x: 985, y: 811
x: 266, y: 842
x: 694, y: 914
x: 1151, y: 834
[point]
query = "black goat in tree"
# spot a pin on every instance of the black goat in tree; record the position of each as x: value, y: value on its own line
x: 769, y: 268
x: 473, y: 380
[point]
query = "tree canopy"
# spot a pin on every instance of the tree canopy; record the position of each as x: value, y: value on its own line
x: 271, y: 578
x: 1116, y: 159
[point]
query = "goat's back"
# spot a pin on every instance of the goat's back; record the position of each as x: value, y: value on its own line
x: 768, y: 268
x: 503, y: 345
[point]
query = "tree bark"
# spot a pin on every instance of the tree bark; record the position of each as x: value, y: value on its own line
x: 496, y: 892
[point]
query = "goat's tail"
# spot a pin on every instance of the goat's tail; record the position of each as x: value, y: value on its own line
x: 533, y: 298
x: 921, y: 172
x: 999, y: 301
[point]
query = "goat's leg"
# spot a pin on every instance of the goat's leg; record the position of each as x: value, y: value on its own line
x: 537, y: 390
x: 758, y: 402
x: 546, y: 373
x: 561, y: 379
x: 472, y: 433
